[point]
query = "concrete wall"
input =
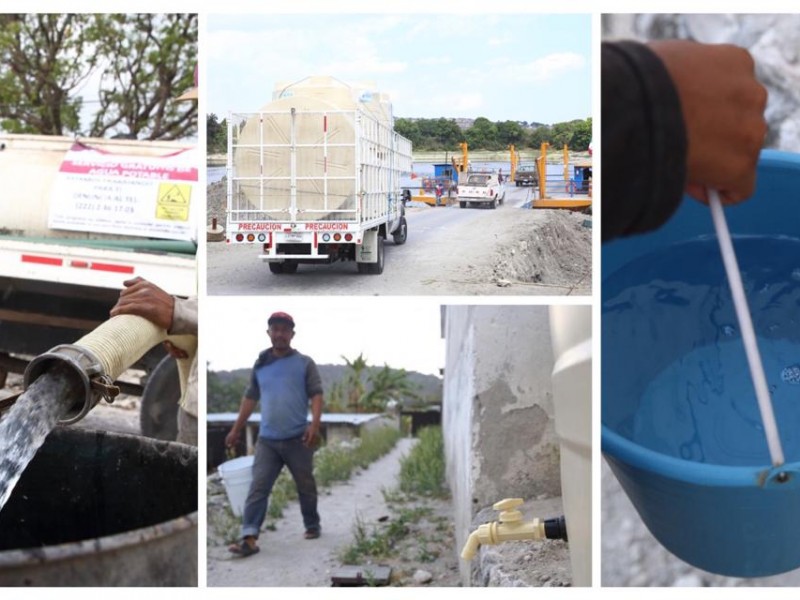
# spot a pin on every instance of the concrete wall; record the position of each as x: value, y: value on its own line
x: 500, y: 440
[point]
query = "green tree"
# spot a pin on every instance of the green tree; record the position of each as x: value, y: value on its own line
x: 581, y: 135
x: 335, y: 398
x: 39, y: 72
x: 510, y: 132
x: 221, y: 395
x: 388, y: 384
x: 446, y: 132
x: 216, y: 134
x: 143, y: 62
x: 408, y: 129
x: 151, y: 61
x: 482, y: 135
x: 355, y: 381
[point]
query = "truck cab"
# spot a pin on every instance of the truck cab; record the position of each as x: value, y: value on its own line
x: 526, y: 175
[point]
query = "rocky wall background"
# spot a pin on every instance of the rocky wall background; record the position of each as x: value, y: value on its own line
x: 773, y: 40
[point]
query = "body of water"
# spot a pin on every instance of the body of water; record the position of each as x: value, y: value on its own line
x: 422, y: 170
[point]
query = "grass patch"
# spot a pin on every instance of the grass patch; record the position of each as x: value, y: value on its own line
x: 414, y: 532
x: 422, y: 471
x: 225, y: 525
x: 379, y: 541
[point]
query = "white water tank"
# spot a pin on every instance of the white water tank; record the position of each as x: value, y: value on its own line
x: 571, y: 334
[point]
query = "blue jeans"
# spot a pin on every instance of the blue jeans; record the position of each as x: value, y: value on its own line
x: 271, y: 456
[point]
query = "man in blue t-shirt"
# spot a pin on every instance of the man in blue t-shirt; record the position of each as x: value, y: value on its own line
x: 284, y: 382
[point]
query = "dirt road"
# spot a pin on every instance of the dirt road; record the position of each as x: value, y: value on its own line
x: 286, y: 559
x: 450, y: 251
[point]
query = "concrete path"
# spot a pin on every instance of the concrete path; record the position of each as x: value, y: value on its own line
x: 286, y: 559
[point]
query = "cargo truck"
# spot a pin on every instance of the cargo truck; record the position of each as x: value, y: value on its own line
x: 315, y: 176
x: 78, y: 219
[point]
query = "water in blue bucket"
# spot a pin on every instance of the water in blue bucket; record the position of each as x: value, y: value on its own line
x: 670, y: 316
x: 681, y: 427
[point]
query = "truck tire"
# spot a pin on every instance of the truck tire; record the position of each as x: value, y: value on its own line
x: 375, y: 268
x: 401, y: 234
x: 276, y: 268
x: 290, y: 267
x: 158, y: 416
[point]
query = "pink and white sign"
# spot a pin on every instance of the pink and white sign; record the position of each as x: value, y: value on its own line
x: 145, y: 196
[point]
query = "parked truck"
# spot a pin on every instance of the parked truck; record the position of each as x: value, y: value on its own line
x: 481, y: 188
x: 314, y: 176
x: 78, y: 219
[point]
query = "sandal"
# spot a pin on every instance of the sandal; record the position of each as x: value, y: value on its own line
x: 311, y: 534
x: 243, y: 549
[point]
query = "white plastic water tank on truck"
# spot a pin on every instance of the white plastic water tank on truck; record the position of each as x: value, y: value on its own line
x: 315, y: 171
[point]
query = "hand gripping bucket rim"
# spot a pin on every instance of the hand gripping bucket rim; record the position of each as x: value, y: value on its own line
x: 734, y: 520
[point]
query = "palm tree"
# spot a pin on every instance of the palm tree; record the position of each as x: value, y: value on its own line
x: 334, y: 399
x: 355, y: 382
x: 388, y: 384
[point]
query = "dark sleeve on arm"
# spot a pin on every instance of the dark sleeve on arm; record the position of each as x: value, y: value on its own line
x: 253, y: 391
x: 313, y: 379
x: 643, y: 141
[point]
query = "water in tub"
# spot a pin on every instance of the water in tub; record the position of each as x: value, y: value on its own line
x: 673, y: 359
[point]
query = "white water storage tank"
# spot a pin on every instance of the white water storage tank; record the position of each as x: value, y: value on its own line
x: 308, y: 137
x: 571, y: 333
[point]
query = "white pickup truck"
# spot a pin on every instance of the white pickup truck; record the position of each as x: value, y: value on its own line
x: 481, y: 188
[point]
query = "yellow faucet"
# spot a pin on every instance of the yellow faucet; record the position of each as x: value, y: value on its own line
x: 510, y: 527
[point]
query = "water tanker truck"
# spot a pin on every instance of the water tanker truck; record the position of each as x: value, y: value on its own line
x: 314, y: 176
x: 78, y: 219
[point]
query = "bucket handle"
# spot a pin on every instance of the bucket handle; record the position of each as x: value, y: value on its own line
x: 746, y: 326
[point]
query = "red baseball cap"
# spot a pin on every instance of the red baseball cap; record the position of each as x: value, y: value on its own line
x: 281, y: 317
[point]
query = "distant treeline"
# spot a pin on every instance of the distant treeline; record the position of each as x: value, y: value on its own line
x: 445, y: 134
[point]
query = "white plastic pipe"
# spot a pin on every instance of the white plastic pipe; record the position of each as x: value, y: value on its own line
x: 746, y: 326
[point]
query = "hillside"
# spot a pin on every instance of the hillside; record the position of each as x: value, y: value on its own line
x: 429, y: 385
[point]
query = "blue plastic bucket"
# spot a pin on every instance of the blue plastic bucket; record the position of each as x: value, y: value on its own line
x: 681, y: 429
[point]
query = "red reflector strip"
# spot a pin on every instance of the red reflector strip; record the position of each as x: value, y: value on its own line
x: 325, y: 123
x: 111, y: 268
x: 42, y: 260
x: 79, y: 264
x: 315, y: 239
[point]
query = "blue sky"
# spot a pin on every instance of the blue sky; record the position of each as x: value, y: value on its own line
x: 523, y: 67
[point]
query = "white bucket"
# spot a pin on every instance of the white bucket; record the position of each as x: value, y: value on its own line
x: 237, y: 474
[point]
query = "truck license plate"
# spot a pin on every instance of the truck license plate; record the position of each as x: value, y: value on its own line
x: 291, y: 238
